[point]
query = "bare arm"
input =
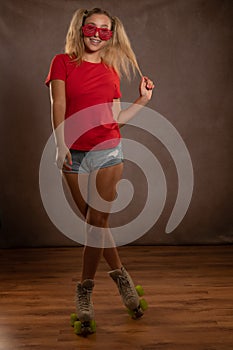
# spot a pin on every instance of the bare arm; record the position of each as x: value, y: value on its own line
x: 58, y: 108
x: 123, y: 116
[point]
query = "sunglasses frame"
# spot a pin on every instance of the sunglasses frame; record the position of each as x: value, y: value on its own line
x: 90, y: 30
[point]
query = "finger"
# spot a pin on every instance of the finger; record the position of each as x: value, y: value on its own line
x: 143, y: 81
x: 149, y: 82
x: 150, y: 85
x: 66, y: 167
x: 69, y: 158
x: 67, y: 163
x: 63, y: 164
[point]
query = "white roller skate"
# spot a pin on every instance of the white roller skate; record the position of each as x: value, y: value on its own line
x: 83, y: 322
x: 129, y: 293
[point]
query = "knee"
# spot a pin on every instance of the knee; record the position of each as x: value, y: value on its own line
x: 97, y: 219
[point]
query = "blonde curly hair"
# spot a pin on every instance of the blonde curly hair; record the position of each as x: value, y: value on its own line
x: 117, y: 53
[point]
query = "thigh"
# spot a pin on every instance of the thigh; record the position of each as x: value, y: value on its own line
x: 78, y: 185
x: 102, y: 184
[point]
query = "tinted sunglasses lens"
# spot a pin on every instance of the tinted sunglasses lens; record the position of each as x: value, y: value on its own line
x: 89, y: 30
x: 105, y: 34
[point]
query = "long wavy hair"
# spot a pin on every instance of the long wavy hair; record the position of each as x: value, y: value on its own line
x: 117, y: 53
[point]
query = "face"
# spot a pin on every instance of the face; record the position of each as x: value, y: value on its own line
x: 97, y: 40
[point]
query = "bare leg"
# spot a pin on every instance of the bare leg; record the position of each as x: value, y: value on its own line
x: 91, y: 256
x: 91, y: 259
x: 73, y: 181
x: 106, y: 181
x: 112, y: 257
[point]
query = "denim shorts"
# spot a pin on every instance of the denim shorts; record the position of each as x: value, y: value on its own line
x: 87, y: 161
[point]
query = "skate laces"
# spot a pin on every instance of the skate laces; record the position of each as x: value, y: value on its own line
x: 83, y: 297
x: 125, y: 286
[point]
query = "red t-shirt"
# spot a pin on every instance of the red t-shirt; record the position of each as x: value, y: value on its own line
x: 89, y: 84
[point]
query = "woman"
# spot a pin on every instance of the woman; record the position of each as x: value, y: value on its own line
x: 97, y: 53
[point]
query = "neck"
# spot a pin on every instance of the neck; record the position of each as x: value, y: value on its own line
x: 93, y: 57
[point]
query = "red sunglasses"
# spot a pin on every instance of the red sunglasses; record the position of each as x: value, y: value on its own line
x: 90, y: 30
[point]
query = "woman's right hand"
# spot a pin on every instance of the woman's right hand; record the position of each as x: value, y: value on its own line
x: 63, y: 157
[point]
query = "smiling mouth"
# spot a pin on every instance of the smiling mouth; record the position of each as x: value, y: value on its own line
x: 95, y: 41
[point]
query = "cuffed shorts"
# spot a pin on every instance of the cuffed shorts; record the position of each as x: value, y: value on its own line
x: 88, y: 161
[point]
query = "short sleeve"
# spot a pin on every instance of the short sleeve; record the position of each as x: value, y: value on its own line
x: 117, y: 93
x: 57, y: 69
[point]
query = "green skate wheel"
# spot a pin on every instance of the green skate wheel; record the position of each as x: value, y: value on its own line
x: 143, y: 304
x: 93, y: 326
x: 135, y: 314
x: 84, y: 328
x: 139, y: 290
x: 130, y: 312
x: 77, y: 327
x: 73, y: 318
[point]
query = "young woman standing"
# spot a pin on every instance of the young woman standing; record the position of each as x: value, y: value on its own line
x: 97, y: 53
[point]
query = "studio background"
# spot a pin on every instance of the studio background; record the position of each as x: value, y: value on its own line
x: 185, y: 47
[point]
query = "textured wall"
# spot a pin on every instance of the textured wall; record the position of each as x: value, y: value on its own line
x: 185, y: 46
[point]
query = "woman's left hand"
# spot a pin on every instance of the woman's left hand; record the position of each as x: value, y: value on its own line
x: 146, y: 88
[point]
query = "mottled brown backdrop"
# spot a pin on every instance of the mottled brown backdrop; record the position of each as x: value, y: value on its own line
x: 185, y: 46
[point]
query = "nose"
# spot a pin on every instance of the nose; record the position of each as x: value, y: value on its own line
x: 96, y: 33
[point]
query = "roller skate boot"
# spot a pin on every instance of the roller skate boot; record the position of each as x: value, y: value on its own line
x: 129, y: 293
x: 83, y: 322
